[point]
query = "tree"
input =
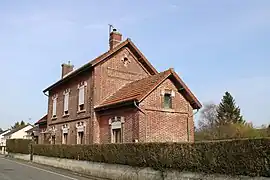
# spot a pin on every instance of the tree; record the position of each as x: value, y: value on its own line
x: 207, y: 123
x: 227, y: 112
x: 18, y: 125
x: 208, y: 117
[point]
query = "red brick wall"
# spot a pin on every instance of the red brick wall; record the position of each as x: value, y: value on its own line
x: 73, y: 106
x: 159, y: 124
x: 130, y: 126
x: 113, y: 74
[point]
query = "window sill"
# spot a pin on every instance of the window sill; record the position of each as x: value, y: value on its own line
x: 54, y: 118
x: 65, y: 115
x: 81, y: 111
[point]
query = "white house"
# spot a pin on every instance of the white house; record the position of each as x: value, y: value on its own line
x: 3, y: 141
x: 18, y: 133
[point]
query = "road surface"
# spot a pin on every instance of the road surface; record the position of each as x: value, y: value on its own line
x: 11, y: 169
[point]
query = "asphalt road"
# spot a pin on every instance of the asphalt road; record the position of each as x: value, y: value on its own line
x: 11, y: 169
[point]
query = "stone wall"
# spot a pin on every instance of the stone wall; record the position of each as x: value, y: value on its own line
x: 123, y: 172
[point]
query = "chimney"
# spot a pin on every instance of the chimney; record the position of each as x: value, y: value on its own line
x: 115, y: 38
x: 66, y: 68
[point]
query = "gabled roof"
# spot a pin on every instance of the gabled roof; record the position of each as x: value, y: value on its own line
x: 105, y: 56
x: 17, y: 129
x: 138, y: 90
x: 35, y: 128
x: 3, y: 132
x: 42, y: 120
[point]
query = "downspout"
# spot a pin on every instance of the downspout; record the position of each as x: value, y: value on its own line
x: 138, y: 107
x: 135, y: 104
x: 188, y: 122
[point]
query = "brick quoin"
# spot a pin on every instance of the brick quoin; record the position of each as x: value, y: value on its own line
x: 144, y: 121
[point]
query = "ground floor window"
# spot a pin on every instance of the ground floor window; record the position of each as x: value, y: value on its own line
x: 65, y: 138
x: 117, y: 135
x: 53, y: 139
x: 80, y: 137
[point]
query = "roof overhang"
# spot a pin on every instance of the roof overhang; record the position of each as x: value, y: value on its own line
x: 142, y: 59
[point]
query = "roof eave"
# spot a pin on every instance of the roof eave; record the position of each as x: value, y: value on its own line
x: 76, y: 72
x: 115, y: 105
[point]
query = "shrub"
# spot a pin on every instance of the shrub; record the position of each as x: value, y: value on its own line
x: 236, y: 157
x: 18, y: 146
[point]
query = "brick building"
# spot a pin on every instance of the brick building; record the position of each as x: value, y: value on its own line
x: 119, y: 97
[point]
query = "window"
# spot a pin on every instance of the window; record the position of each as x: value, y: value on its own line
x: 167, y: 101
x: 65, y: 136
x: 80, y: 137
x: 117, y: 136
x: 53, y: 139
x: 81, y: 98
x: 54, y: 107
x: 66, y: 101
x: 117, y: 129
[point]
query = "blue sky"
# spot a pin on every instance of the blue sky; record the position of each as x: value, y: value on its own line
x: 215, y: 46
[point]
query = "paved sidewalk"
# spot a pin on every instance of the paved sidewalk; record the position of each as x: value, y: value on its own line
x: 11, y: 169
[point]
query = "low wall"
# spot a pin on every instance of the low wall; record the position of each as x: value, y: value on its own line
x: 123, y: 172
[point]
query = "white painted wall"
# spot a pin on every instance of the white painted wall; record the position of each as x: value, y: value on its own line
x: 21, y: 134
x: 2, y: 139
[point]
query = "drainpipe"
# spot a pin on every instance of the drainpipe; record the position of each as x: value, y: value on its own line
x: 135, y: 104
x: 138, y: 107
x: 187, y: 122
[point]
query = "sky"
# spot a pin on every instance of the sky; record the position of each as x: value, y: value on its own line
x: 214, y: 46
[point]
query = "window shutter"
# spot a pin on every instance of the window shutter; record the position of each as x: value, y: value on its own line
x: 81, y: 95
x: 66, y: 99
x: 54, y: 107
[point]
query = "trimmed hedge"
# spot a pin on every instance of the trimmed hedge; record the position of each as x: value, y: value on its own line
x: 18, y: 146
x: 235, y: 157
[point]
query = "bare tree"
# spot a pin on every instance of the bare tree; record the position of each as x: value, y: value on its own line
x: 208, y: 117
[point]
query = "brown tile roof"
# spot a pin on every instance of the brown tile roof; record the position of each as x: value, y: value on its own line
x: 103, y: 57
x: 42, y: 120
x: 138, y: 90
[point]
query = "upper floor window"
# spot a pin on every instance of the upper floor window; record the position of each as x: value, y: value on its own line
x: 66, y: 101
x: 81, y: 102
x: 54, y: 104
x: 167, y: 101
x: 167, y: 98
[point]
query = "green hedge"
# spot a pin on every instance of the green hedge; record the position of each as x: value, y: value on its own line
x: 235, y: 157
x: 18, y: 146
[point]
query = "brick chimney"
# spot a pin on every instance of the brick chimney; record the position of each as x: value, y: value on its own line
x: 115, y: 38
x: 66, y: 68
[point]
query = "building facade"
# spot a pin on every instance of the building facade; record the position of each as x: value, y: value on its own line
x: 119, y: 97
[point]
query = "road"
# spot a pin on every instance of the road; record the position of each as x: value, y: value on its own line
x: 11, y: 169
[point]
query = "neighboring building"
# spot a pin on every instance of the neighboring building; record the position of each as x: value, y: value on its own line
x: 18, y: 133
x: 3, y: 141
x: 33, y: 133
x: 43, y: 136
x: 119, y: 97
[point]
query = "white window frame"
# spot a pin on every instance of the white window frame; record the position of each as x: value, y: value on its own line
x: 54, y: 106
x: 117, y: 123
x: 65, y: 130
x: 80, y: 127
x: 81, y: 95
x: 66, y: 101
